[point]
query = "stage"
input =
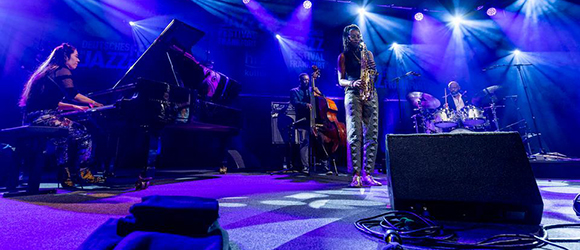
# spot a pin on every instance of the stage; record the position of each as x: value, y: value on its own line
x: 259, y: 211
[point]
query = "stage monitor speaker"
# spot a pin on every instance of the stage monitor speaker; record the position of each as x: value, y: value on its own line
x: 478, y: 177
x: 283, y: 115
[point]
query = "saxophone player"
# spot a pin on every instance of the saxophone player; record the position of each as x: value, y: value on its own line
x: 356, y: 71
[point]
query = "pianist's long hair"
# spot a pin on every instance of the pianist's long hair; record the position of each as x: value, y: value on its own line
x: 55, y: 60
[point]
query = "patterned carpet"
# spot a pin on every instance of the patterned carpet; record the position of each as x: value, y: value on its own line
x: 259, y: 211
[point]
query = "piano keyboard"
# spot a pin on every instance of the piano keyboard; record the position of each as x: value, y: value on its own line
x: 88, y: 111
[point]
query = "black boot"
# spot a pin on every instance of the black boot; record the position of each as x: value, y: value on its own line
x: 65, y: 178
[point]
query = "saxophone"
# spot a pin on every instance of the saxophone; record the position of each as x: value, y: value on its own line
x: 367, y: 75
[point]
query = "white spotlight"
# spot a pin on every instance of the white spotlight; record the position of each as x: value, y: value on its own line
x: 395, y: 46
x: 491, y: 11
x: 516, y: 52
x: 419, y: 16
x: 362, y: 11
x: 278, y: 37
x: 457, y: 20
x: 307, y: 4
x: 246, y: 1
x: 132, y: 23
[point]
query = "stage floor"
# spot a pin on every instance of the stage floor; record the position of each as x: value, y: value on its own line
x: 259, y: 211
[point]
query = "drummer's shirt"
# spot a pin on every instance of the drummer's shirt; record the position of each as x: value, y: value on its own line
x: 459, y: 104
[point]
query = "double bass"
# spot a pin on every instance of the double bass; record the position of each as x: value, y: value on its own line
x: 326, y: 129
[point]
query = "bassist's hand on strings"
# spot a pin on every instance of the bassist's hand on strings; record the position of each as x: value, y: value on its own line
x: 317, y: 92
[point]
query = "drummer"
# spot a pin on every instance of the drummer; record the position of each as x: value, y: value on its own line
x: 456, y: 99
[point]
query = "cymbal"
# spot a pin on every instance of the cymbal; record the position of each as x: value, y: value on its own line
x: 423, y: 100
x: 492, y: 89
x: 488, y: 95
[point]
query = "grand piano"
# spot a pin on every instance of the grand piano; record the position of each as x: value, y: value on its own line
x: 165, y: 94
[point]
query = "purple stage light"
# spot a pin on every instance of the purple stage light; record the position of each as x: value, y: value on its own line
x: 491, y: 11
x: 307, y: 4
x: 246, y: 1
x: 419, y: 16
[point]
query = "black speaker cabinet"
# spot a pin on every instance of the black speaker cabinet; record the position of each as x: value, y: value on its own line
x: 478, y: 177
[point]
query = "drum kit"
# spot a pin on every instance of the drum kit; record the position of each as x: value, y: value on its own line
x: 432, y: 117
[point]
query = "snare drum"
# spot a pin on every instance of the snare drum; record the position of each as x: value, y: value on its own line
x: 445, y: 118
x: 472, y: 116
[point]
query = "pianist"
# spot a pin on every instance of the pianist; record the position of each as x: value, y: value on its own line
x: 50, y: 90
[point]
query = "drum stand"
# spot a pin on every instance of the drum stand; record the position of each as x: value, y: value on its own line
x: 495, y: 120
x: 415, y: 123
x: 421, y: 115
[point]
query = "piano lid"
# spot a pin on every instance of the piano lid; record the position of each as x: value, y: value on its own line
x: 157, y: 62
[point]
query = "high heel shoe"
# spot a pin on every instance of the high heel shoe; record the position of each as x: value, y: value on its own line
x: 370, y: 181
x: 356, y: 181
x: 88, y: 177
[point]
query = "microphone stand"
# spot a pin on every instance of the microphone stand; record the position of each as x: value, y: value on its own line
x: 525, y: 86
x: 519, y: 68
x: 397, y: 80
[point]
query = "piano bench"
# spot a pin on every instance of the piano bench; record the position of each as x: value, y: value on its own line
x: 28, y: 143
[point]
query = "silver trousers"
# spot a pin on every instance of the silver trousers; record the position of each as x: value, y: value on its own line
x: 362, y: 128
